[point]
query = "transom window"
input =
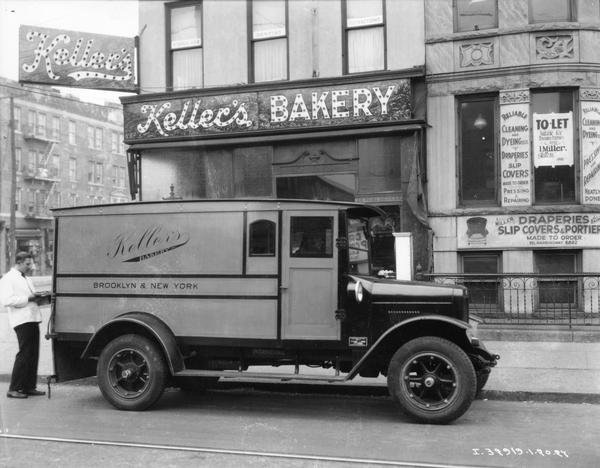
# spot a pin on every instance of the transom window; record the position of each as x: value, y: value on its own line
x: 185, y: 46
x: 269, y: 40
x: 477, y: 151
x: 472, y: 15
x: 364, y: 25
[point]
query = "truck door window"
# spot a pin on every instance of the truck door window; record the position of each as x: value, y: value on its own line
x: 311, y: 236
x: 261, y: 241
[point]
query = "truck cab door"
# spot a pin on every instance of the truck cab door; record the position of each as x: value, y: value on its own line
x: 309, y: 276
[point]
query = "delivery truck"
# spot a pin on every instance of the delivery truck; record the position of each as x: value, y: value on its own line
x: 179, y: 293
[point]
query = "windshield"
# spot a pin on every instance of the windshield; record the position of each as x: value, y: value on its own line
x: 370, y: 246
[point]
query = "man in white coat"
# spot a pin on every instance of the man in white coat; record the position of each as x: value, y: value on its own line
x: 18, y: 295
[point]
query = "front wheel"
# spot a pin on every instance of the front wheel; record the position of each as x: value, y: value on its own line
x: 432, y: 380
x: 132, y: 373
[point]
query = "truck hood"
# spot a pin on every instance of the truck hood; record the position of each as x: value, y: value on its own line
x: 408, y: 291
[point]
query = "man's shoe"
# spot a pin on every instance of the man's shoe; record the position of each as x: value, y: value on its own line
x: 15, y: 394
x: 34, y: 392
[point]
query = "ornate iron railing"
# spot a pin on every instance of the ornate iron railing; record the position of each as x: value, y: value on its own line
x: 527, y: 298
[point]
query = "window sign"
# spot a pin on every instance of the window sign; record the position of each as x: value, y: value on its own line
x: 553, y: 139
x: 590, y: 151
x: 515, y: 157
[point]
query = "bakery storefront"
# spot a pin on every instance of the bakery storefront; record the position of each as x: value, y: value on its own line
x: 337, y: 139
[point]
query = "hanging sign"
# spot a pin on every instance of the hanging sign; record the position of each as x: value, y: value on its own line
x: 553, y: 139
x: 515, y: 157
x: 563, y: 230
x: 590, y: 151
x: 76, y: 59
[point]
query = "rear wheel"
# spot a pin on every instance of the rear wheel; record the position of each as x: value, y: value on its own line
x: 432, y: 380
x: 132, y: 373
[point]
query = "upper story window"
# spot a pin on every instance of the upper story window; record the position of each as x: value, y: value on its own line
x: 98, y: 138
x: 17, y: 118
x: 473, y: 15
x: 364, y: 26
x: 185, y: 45
x: 41, y: 125
x: 546, y: 11
x: 269, y: 40
x: 31, y: 121
x: 477, y: 150
x: 554, y: 145
x: 72, y: 169
x: 72, y: 132
x: 56, y: 128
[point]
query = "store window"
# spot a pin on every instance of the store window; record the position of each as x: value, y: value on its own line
x: 311, y: 237
x: 553, y: 153
x: 262, y: 238
x: 546, y: 11
x: 339, y: 187
x: 557, y: 294
x: 364, y: 28
x: 269, y: 40
x: 185, y: 46
x: 483, y: 288
x: 477, y: 150
x: 470, y: 15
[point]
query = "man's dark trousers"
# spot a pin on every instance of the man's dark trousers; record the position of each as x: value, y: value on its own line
x: 24, y: 374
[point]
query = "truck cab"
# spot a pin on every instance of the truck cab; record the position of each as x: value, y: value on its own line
x: 153, y: 294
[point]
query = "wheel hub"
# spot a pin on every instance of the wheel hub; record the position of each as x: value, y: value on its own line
x: 429, y: 381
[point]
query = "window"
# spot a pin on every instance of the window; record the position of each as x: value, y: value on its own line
x: 483, y: 291
x: 55, y: 168
x: 56, y: 128
x: 119, y: 176
x: 32, y: 161
x: 557, y: 295
x: 90, y: 132
x: 96, y: 172
x: 262, y: 239
x: 554, y: 176
x: 19, y: 159
x: 18, y: 198
x: 472, y: 15
x: 31, y: 121
x: 546, y: 11
x: 41, y: 125
x: 72, y: 133
x: 365, y: 35
x: 98, y: 138
x: 185, y: 46
x: 477, y: 151
x: 269, y: 40
x: 311, y: 236
x: 17, y: 118
x: 72, y: 169
x: 114, y: 142
x: 73, y: 199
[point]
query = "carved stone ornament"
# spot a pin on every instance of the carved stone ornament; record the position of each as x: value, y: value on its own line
x: 514, y: 96
x: 476, y: 54
x: 589, y: 94
x: 554, y: 47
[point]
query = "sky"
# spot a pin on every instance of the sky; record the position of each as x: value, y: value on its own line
x: 112, y: 17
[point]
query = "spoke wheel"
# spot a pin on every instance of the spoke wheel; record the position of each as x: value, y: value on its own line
x: 432, y: 380
x: 131, y: 372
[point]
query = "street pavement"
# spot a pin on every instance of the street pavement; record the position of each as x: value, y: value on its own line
x: 246, y: 427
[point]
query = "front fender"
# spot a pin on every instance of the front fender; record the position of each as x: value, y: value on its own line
x: 438, y: 325
x: 142, y: 322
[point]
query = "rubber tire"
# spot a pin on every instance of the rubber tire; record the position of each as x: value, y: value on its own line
x: 157, y: 372
x: 464, y: 371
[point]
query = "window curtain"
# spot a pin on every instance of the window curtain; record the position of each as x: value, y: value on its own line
x: 270, y: 60
x: 187, y: 69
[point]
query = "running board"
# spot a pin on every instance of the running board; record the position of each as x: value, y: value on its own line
x: 232, y: 374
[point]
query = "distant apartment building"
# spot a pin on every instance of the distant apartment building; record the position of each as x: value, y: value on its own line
x: 66, y: 153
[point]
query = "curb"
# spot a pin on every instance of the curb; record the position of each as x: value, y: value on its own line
x: 350, y: 389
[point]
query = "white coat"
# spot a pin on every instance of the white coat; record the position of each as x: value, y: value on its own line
x: 15, y: 290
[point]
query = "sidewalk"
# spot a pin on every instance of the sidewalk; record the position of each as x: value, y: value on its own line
x: 527, y: 370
